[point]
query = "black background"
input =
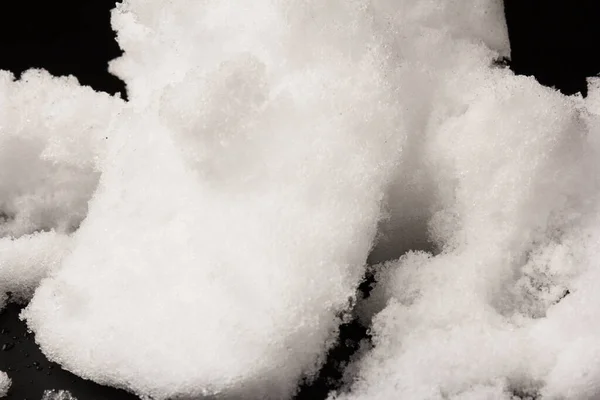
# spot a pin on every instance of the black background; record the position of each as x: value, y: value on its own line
x: 63, y: 37
x: 556, y: 41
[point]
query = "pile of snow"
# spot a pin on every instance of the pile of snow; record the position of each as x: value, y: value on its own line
x: 238, y: 200
x: 207, y: 237
x: 52, y: 136
x: 506, y: 306
x: 503, y: 304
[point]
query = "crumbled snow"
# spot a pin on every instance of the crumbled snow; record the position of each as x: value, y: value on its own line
x: 25, y: 261
x: 4, y: 384
x: 58, y: 395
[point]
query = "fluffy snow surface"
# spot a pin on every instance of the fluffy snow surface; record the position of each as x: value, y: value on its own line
x: 208, y: 237
x: 237, y: 204
x: 48, y: 171
x: 506, y: 304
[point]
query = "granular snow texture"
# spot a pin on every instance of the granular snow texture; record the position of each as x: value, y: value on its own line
x: 207, y: 238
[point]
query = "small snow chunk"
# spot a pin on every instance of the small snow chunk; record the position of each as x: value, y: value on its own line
x: 58, y: 395
x: 24, y: 262
x: 4, y: 384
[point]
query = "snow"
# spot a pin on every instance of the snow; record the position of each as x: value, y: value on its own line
x: 235, y: 210
x: 501, y: 304
x: 58, y: 395
x: 208, y: 237
x: 4, y: 384
x: 26, y: 261
x: 52, y: 134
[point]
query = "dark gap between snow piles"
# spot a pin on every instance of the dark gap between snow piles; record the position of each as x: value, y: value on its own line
x: 551, y: 40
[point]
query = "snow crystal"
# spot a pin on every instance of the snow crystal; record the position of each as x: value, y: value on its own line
x: 4, y: 384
